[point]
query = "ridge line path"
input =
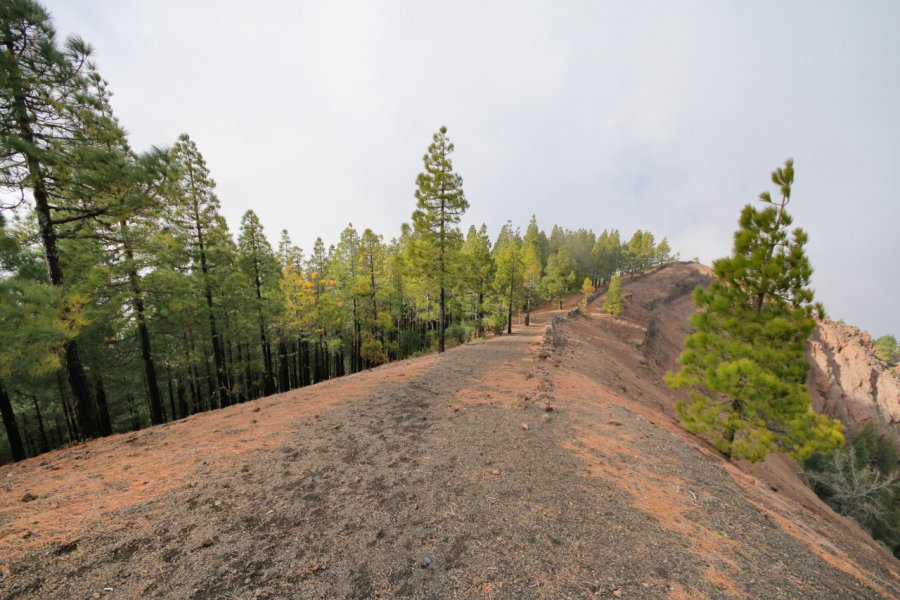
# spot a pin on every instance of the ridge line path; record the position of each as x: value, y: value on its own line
x: 483, y: 472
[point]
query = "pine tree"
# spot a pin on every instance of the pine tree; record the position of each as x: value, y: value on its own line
x: 479, y: 274
x: 587, y: 288
x: 607, y: 255
x: 745, y: 365
x: 613, y: 302
x: 560, y: 275
x: 371, y: 259
x: 533, y: 267
x: 509, y: 274
x: 7, y: 260
x: 663, y: 252
x: 55, y: 129
x: 887, y: 349
x: 147, y: 184
x: 205, y: 234
x: 259, y: 265
x: 439, y: 205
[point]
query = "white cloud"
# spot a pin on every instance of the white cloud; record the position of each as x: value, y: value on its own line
x: 644, y: 114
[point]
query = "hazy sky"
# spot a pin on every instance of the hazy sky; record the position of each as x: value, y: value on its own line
x: 666, y: 116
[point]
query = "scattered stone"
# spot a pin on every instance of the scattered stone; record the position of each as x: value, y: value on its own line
x: 247, y: 581
x: 495, y: 472
x: 615, y: 423
x: 548, y: 408
x: 28, y: 497
x: 525, y: 426
x: 545, y: 418
x: 207, y: 543
x: 617, y: 593
x: 107, y: 589
x: 256, y: 409
x: 426, y: 562
x: 217, y: 503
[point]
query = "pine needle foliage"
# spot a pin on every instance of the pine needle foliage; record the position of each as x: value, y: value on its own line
x: 440, y: 203
x: 745, y: 365
x: 613, y: 302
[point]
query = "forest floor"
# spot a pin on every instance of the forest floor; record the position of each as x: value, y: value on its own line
x: 504, y: 468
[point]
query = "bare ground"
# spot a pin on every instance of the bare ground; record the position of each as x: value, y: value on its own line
x: 485, y: 472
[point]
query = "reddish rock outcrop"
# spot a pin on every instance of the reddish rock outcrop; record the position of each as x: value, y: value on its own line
x: 847, y: 381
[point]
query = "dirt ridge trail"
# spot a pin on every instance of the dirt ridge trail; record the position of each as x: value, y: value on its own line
x: 484, y: 472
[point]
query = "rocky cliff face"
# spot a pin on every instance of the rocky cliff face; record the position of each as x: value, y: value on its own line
x: 847, y: 381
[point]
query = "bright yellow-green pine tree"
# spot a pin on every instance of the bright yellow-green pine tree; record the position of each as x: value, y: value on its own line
x: 745, y: 364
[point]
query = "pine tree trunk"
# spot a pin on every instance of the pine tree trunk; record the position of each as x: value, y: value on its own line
x: 269, y: 383
x: 284, y: 375
x: 356, y: 363
x: 28, y: 445
x: 297, y: 379
x: 12, y: 429
x: 103, y: 409
x: 481, y: 309
x: 182, y: 400
x: 509, y: 313
x: 527, y: 309
x: 441, y: 320
x: 229, y: 361
x: 137, y: 300
x: 222, y: 397
x: 135, y: 419
x: 45, y: 444
x: 304, y: 370
x: 247, y: 379
x: 171, y: 395
x: 71, y: 425
x: 72, y: 361
x: 57, y: 430
x: 210, y: 384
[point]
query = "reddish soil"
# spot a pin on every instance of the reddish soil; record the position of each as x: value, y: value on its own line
x: 501, y: 469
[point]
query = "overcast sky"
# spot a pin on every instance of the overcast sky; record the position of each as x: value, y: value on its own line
x: 666, y: 116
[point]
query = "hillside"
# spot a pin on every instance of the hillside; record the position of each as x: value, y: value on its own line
x: 537, y: 465
x: 848, y: 382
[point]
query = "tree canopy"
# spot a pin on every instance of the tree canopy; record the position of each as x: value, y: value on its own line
x: 745, y: 364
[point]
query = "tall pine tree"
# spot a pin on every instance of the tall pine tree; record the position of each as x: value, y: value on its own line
x: 745, y: 364
x: 439, y: 205
x: 55, y: 131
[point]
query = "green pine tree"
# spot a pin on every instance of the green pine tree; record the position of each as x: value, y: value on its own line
x: 587, y: 288
x: 559, y: 275
x: 439, y: 205
x: 479, y: 273
x: 260, y: 266
x: 510, y: 269
x: 887, y: 349
x: 745, y: 365
x: 613, y: 302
